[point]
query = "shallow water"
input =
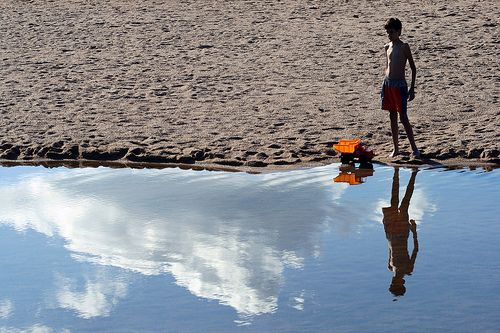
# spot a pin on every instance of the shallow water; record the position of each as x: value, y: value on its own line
x: 123, y: 250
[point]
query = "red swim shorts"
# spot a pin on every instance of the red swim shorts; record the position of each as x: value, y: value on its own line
x: 394, y: 95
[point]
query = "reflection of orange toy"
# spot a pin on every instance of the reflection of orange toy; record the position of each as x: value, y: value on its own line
x: 353, y: 149
x: 353, y: 176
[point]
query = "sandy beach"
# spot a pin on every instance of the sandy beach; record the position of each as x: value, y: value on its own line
x: 245, y: 84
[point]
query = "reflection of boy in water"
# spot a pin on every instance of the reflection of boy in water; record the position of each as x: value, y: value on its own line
x: 397, y: 227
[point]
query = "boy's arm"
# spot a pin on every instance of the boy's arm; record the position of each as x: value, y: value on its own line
x: 386, y: 47
x: 411, y: 92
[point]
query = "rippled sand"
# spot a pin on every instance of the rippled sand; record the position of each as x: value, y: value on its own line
x: 240, y: 83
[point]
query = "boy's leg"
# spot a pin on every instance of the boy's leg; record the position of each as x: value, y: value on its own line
x: 409, y: 132
x: 394, y: 130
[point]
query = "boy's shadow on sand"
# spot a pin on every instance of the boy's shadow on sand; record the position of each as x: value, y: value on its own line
x: 397, y: 226
x: 432, y: 159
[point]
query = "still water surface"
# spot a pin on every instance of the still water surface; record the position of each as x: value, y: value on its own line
x: 123, y: 250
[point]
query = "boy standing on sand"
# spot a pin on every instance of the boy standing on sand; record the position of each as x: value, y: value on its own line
x: 395, y: 91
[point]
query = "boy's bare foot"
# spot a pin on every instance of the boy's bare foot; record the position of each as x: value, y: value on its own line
x: 394, y: 153
x: 416, y: 153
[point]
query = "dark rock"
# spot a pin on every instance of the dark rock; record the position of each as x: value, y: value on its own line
x: 274, y: 146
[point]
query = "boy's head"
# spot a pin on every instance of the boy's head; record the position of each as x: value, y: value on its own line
x: 393, y: 27
x: 393, y: 23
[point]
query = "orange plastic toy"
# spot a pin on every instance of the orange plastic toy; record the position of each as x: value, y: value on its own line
x: 347, y: 146
x: 353, y: 149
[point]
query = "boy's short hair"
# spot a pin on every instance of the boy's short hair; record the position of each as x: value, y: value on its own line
x: 393, y: 23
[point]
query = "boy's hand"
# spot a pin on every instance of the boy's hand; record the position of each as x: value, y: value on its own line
x: 411, y: 94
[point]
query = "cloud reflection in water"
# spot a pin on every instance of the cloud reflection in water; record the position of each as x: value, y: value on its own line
x: 222, y: 236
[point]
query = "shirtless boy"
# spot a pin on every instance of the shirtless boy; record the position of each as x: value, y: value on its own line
x: 395, y: 91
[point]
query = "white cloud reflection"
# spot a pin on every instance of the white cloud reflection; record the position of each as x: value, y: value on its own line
x: 6, y: 308
x: 419, y: 205
x: 37, y: 328
x: 97, y: 298
x: 222, y: 236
